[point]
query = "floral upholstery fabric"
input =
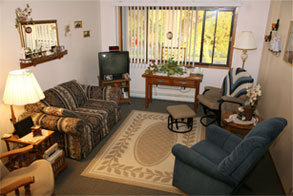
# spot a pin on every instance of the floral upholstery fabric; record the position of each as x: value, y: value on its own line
x: 104, y: 93
x: 67, y: 95
x: 80, y: 121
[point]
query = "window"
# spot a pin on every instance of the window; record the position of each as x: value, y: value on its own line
x: 192, y: 36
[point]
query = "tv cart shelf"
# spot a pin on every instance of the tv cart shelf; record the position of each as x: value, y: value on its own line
x: 123, y: 84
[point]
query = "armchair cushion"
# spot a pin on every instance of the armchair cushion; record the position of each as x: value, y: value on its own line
x: 43, y: 175
x: 222, y: 138
x: 210, y: 151
x: 236, y: 82
x: 3, y: 170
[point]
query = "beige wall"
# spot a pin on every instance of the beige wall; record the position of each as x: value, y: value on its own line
x: 275, y: 77
x: 81, y: 63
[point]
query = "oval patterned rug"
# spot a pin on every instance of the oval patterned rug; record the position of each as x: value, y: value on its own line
x: 139, y: 153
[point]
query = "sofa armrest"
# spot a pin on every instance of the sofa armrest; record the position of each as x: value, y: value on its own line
x: 68, y: 125
x: 222, y: 138
x: 199, y: 162
x: 108, y: 93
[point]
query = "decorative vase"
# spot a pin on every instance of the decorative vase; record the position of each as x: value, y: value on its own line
x: 248, y: 112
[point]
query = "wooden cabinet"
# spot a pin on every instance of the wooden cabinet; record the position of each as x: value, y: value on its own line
x: 123, y: 84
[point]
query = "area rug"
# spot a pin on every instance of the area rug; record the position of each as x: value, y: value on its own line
x: 139, y: 153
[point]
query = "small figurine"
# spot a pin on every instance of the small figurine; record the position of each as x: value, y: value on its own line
x: 37, y: 130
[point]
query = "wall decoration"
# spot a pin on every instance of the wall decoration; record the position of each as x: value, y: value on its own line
x: 288, y: 55
x: 274, y: 38
x: 86, y: 34
x: 78, y: 24
x: 169, y: 35
x: 67, y: 30
x: 22, y: 15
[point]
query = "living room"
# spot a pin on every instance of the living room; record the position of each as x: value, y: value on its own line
x: 100, y: 18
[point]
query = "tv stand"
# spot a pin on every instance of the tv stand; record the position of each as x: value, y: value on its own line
x: 123, y: 84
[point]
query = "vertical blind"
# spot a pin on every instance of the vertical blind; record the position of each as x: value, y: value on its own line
x: 187, y: 34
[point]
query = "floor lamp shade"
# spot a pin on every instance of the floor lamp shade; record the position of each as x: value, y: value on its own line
x: 245, y: 41
x: 22, y: 88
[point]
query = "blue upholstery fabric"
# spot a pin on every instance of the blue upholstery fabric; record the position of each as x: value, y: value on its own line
x: 210, y: 151
x: 219, y: 164
x: 236, y: 82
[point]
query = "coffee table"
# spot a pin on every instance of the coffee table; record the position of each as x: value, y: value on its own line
x: 238, y: 128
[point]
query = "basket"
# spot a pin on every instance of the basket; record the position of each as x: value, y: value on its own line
x: 59, y: 164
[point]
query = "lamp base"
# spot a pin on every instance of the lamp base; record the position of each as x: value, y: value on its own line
x: 244, y: 56
x: 13, y: 119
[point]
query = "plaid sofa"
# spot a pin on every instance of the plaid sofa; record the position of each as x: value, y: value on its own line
x: 80, y: 115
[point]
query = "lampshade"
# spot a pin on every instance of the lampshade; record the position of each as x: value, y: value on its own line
x: 245, y: 41
x: 22, y: 88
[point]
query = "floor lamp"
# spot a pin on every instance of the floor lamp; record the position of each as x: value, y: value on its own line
x: 21, y: 88
x: 245, y: 42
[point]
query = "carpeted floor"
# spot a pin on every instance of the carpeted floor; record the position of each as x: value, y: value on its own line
x: 263, y: 181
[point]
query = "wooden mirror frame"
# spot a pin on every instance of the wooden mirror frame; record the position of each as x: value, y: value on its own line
x: 57, y: 53
x: 33, y: 22
x: 288, y: 55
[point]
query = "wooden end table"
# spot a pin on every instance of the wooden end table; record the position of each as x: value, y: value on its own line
x: 39, y: 146
x: 238, y: 128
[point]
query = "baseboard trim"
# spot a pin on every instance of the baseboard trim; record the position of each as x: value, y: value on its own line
x: 164, y: 96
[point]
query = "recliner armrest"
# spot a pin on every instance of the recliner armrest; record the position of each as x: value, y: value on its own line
x: 199, y: 162
x: 222, y: 138
x: 211, y: 88
x: 25, y: 181
x: 239, y: 100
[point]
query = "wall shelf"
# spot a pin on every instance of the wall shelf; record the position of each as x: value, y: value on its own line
x: 42, y: 59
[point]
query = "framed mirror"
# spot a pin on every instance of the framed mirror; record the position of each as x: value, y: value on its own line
x: 39, y: 36
x: 288, y: 55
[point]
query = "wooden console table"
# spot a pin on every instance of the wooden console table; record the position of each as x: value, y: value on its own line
x: 189, y: 82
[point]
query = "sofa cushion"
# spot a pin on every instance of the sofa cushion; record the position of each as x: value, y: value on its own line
x: 67, y: 95
x: 99, y: 112
x: 60, y: 112
x: 105, y: 93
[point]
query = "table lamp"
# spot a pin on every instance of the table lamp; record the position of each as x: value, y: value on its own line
x: 245, y: 42
x: 21, y: 88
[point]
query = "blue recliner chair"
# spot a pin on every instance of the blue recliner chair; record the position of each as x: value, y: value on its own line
x: 219, y: 164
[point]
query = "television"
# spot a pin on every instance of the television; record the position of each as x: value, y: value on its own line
x: 113, y: 64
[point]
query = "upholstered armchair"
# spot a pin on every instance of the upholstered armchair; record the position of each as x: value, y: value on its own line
x: 220, y: 163
x: 34, y: 179
x: 216, y: 101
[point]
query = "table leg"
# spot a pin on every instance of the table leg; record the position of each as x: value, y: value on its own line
x: 151, y: 92
x: 195, y: 96
x: 146, y: 94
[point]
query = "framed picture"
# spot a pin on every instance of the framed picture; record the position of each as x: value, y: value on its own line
x: 86, y: 34
x: 288, y: 54
x: 78, y: 24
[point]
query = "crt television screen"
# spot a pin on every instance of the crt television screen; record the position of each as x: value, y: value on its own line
x: 113, y: 63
